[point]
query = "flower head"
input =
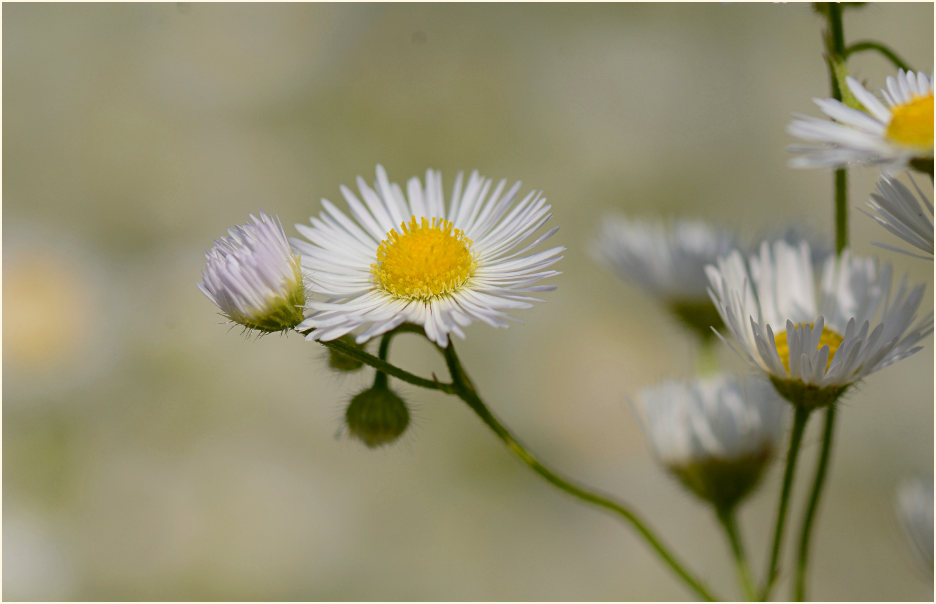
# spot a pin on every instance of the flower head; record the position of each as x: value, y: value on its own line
x: 815, y: 340
x: 666, y: 259
x: 413, y: 258
x: 890, y: 135
x: 715, y: 434
x: 254, y: 278
x: 915, y: 511
x: 904, y: 214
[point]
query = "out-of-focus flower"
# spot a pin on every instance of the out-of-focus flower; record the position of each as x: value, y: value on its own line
x: 666, y: 259
x: 890, y: 136
x: 43, y: 268
x: 815, y: 340
x: 915, y: 511
x: 412, y: 258
x: 254, y: 278
x: 715, y: 434
x: 904, y: 214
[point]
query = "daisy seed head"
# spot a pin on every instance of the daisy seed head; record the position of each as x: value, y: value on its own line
x: 254, y: 278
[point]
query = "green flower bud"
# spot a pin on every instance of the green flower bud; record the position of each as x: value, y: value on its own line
x: 377, y: 416
x: 342, y: 362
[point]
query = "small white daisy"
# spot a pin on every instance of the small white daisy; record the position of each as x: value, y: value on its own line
x: 254, y: 278
x: 715, y: 434
x: 904, y: 214
x: 915, y: 511
x: 413, y: 258
x: 891, y: 135
x: 815, y: 340
x: 666, y: 259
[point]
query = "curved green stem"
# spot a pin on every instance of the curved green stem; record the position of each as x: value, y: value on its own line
x: 383, y: 366
x: 800, y: 417
x: 726, y: 517
x: 466, y: 391
x: 888, y: 53
x: 803, y: 551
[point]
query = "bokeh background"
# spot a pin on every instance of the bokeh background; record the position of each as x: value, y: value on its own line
x: 152, y: 452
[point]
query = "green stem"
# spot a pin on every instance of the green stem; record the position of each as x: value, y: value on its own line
x: 381, y: 365
x: 800, y: 417
x: 889, y: 54
x: 380, y: 377
x: 841, y: 210
x: 803, y: 551
x: 466, y: 391
x: 726, y: 517
x: 841, y: 242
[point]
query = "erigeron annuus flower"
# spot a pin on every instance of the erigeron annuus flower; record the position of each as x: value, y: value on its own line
x: 891, y: 135
x: 666, y: 259
x: 814, y: 340
x: 715, y: 434
x: 904, y: 214
x: 915, y: 511
x: 254, y: 278
x: 413, y: 258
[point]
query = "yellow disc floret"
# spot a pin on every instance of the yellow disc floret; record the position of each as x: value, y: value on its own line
x: 426, y: 259
x: 911, y: 124
x: 827, y: 338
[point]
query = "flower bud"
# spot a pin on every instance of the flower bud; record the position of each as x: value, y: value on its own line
x: 254, y: 278
x: 342, y: 362
x: 377, y: 416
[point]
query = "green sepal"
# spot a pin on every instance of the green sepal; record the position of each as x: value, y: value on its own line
x: 801, y: 394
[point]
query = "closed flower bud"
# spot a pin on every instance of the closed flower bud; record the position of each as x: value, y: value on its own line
x: 342, y: 362
x: 254, y: 278
x: 377, y: 416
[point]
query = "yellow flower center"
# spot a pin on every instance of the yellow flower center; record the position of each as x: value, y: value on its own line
x: 424, y: 260
x: 827, y: 338
x: 911, y: 124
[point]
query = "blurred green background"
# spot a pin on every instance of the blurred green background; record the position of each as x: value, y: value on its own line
x: 151, y: 452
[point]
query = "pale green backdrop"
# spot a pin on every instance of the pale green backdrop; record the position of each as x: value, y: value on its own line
x: 150, y: 452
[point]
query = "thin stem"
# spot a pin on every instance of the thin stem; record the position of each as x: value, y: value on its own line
x: 466, y: 391
x: 803, y: 551
x: 841, y: 210
x: 380, y: 377
x: 728, y: 520
x: 889, y: 54
x: 841, y: 242
x: 799, y: 425
x: 360, y: 354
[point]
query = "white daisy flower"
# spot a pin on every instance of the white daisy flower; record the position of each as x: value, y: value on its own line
x: 904, y: 214
x: 413, y: 258
x: 890, y: 135
x: 254, y: 278
x: 815, y: 340
x: 666, y: 259
x: 915, y: 511
x: 715, y: 434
